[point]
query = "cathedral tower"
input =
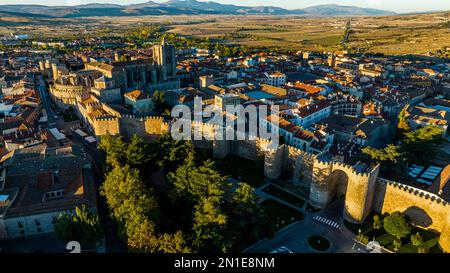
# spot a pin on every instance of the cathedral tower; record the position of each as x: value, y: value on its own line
x: 164, y: 56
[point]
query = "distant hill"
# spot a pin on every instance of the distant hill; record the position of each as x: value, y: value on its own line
x: 183, y: 7
x: 336, y: 10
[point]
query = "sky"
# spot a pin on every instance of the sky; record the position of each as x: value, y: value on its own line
x: 400, y: 6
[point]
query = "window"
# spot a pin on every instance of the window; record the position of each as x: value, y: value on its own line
x: 20, y: 225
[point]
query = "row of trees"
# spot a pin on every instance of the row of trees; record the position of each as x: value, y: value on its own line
x: 414, y: 145
x: 166, y: 200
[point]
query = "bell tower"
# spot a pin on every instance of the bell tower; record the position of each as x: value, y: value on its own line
x: 164, y: 56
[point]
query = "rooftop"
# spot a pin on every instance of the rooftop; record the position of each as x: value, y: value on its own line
x: 137, y: 95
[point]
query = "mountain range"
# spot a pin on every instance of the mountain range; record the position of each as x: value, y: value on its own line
x: 182, y: 7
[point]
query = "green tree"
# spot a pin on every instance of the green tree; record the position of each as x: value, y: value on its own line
x: 158, y: 102
x: 194, y: 209
x: 172, y: 153
x: 247, y: 223
x: 391, y: 159
x: 136, y: 210
x: 206, y: 188
x: 417, y: 239
x: 173, y: 243
x: 65, y: 228
x: 389, y: 154
x: 137, y: 152
x: 403, y: 124
x: 126, y: 195
x: 84, y: 226
x: 397, y: 225
x: 89, y: 224
x: 115, y: 148
x: 422, y: 142
x: 377, y: 222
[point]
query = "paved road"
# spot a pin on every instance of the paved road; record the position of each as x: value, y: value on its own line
x: 295, y: 236
x: 46, y: 102
x: 44, y: 243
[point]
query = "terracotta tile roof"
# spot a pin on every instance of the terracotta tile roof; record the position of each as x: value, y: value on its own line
x: 136, y: 95
x: 305, y: 135
x: 313, y: 108
x: 311, y: 89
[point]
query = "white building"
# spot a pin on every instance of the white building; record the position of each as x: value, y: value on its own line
x: 276, y: 78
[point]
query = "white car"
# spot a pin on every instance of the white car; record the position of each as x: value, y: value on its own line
x: 282, y: 249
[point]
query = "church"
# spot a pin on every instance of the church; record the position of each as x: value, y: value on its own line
x: 148, y: 75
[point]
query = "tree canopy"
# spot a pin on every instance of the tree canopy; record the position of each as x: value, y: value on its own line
x: 83, y: 226
x: 422, y: 142
x: 417, y: 239
x: 397, y: 225
x: 192, y: 209
x: 403, y: 125
x: 391, y: 158
x: 158, y: 102
x: 416, y: 145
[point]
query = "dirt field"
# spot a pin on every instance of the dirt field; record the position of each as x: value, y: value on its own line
x: 409, y: 34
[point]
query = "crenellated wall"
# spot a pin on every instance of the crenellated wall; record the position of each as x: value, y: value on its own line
x: 359, y: 194
x: 299, y: 165
x: 106, y: 125
x: 156, y: 125
x: 444, y: 240
x: 363, y: 190
x: 425, y: 209
x: 273, y: 162
x: 65, y: 96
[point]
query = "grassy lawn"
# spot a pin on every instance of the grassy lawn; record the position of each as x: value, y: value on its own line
x: 280, y: 215
x: 239, y: 168
x: 431, y: 238
x: 283, y: 195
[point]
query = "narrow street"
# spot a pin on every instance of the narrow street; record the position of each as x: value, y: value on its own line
x: 46, y: 102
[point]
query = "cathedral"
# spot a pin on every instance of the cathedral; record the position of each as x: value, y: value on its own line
x: 148, y: 75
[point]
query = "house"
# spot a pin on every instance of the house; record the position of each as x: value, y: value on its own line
x: 222, y: 101
x: 104, y: 89
x: 274, y: 78
x: 311, y: 112
x: 420, y: 116
x: 314, y: 141
x: 141, y: 102
x: 38, y: 183
x: 362, y: 131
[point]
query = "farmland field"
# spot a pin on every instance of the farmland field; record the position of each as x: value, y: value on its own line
x: 407, y: 34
